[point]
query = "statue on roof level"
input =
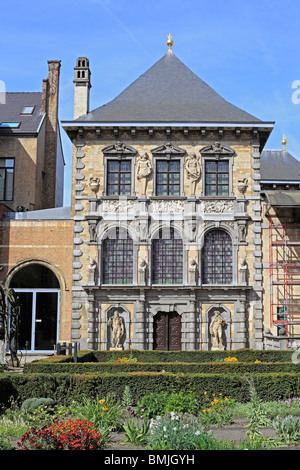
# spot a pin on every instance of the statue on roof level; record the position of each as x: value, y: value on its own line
x: 144, y: 170
x: 193, y: 169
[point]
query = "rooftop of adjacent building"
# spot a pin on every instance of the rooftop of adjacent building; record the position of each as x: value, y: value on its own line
x: 21, y: 112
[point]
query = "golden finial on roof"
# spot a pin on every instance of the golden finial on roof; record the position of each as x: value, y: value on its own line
x: 284, y: 142
x: 170, y: 43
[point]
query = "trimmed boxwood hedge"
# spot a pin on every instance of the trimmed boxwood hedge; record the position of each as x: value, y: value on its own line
x: 177, y: 367
x: 243, y: 355
x: 64, y: 388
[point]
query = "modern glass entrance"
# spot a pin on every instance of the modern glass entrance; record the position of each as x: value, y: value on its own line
x: 38, y: 291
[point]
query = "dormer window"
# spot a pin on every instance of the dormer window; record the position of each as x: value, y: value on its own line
x: 11, y: 125
x: 28, y: 110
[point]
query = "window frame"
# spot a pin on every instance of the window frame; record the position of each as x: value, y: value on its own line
x: 119, y: 173
x: 111, y: 235
x: 168, y: 173
x: 119, y: 152
x: 217, y: 173
x: 5, y: 179
x: 204, y: 258
x: 153, y: 268
x: 218, y: 154
x: 168, y: 158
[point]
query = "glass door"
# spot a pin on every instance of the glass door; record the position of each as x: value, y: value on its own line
x: 39, y: 320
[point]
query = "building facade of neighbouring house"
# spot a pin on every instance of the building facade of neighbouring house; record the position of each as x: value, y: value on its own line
x: 36, y: 238
x: 179, y: 219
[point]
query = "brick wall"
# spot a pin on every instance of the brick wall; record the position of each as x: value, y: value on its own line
x: 48, y: 242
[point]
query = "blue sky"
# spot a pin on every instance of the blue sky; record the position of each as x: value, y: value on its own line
x: 248, y: 51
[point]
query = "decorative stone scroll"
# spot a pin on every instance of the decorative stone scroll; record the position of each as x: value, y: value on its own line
x: 94, y: 184
x: 242, y: 185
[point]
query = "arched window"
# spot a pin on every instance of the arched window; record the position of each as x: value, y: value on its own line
x: 117, y: 258
x: 167, y: 258
x: 38, y: 291
x: 217, y: 258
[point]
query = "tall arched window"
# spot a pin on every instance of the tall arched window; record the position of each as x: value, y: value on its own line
x: 167, y: 258
x: 117, y: 258
x: 217, y: 258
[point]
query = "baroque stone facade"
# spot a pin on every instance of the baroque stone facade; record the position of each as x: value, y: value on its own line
x: 162, y: 310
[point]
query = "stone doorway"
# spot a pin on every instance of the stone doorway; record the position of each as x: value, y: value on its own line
x: 167, y: 331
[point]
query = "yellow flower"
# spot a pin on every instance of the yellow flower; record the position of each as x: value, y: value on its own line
x: 209, y: 410
x: 104, y: 408
x: 205, y: 393
x: 216, y: 400
x: 101, y: 402
x: 203, y: 411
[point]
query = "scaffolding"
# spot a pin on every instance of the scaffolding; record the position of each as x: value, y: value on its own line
x: 284, y: 271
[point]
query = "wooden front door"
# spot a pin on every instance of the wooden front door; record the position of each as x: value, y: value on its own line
x: 167, y: 331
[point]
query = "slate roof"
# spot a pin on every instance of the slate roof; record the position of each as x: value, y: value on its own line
x: 279, y: 165
x: 168, y: 92
x: 12, y: 109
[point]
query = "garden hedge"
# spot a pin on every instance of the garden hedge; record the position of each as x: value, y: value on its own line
x: 177, y: 367
x: 64, y: 388
x: 243, y: 355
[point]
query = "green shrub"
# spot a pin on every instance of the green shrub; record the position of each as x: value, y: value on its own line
x: 32, y: 404
x: 65, y: 388
x: 287, y: 429
x: 152, y: 404
x: 182, y: 402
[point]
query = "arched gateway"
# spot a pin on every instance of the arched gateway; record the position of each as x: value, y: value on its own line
x: 38, y: 290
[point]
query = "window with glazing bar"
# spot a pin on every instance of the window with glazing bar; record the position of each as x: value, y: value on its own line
x: 7, y: 169
x: 167, y: 258
x: 216, y: 178
x: 118, y: 177
x: 168, y: 178
x: 117, y: 258
x: 217, y: 258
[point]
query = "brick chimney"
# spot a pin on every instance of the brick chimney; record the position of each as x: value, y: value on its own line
x: 82, y: 85
x: 50, y: 94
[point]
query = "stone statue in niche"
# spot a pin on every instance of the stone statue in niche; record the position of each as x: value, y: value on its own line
x: 144, y: 170
x: 243, y: 271
x: 94, y: 183
x: 143, y: 271
x: 216, y: 329
x: 242, y: 228
x: 193, y: 169
x: 242, y: 185
x: 92, y: 271
x: 193, y: 271
x: 117, y: 325
x: 92, y: 230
